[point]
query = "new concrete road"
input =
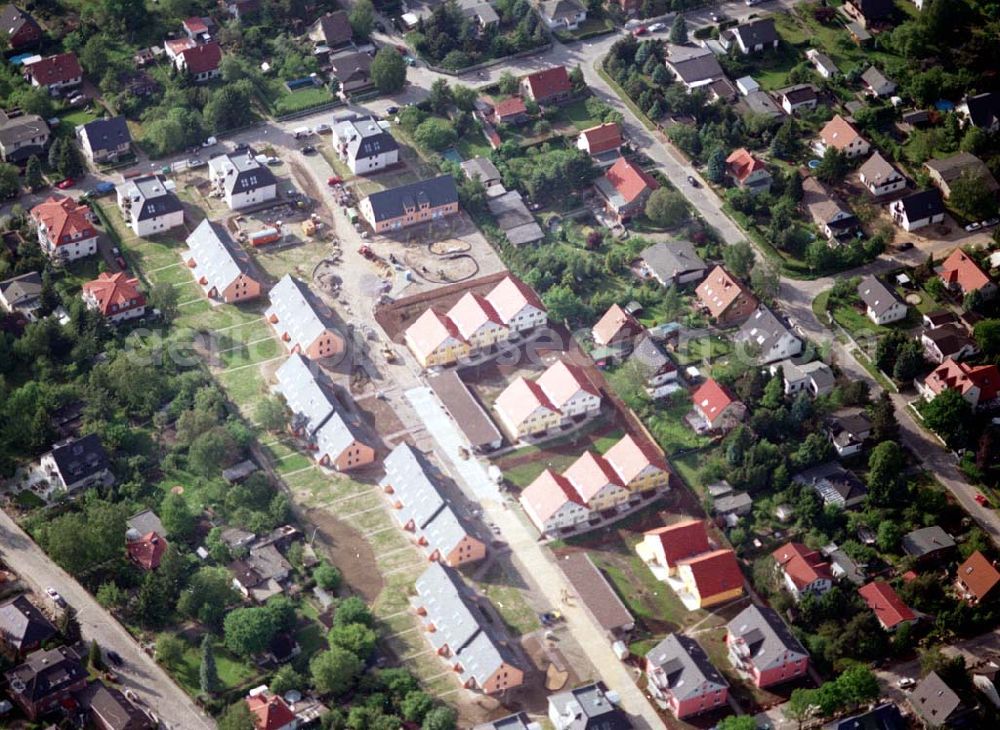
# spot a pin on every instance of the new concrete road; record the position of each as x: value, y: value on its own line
x: 139, y: 672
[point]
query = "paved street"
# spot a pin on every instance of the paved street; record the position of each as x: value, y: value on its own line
x: 139, y: 673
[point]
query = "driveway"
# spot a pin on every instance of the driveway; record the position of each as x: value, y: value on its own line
x: 139, y: 672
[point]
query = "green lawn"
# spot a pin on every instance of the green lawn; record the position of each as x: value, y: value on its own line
x: 473, y: 145
x: 233, y: 671
x: 289, y: 102
x: 671, y: 431
x: 28, y: 500
x: 497, y: 585
x: 577, y: 115
x: 697, y: 350
x: 689, y: 467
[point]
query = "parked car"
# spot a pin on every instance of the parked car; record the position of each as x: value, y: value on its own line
x: 334, y: 180
x: 718, y: 17
x: 65, y: 184
x: 54, y: 595
x: 308, y: 150
x: 904, y: 246
x: 322, y: 128
x: 273, y: 160
x: 656, y: 27
x: 104, y: 187
x: 989, y: 223
x: 211, y: 141
x: 392, y: 110
x: 241, y: 147
x: 692, y: 182
x: 906, y: 683
x: 641, y: 30
x: 115, y: 658
x: 981, y: 499
x: 973, y: 227
x: 196, y: 162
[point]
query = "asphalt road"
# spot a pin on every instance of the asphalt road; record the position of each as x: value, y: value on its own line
x: 139, y: 672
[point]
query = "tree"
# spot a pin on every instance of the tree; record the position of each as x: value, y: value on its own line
x: 249, y: 630
x: 435, y: 134
x: 33, y: 174
x: 765, y: 281
x: 94, y: 658
x: 739, y: 259
x: 909, y: 362
x: 211, y: 452
x: 885, y: 473
x: 416, y: 705
x: 10, y: 183
x: 362, y: 18
x: 800, y: 707
x: 666, y: 208
x: 209, y: 673
x: 971, y: 197
x: 356, y: 638
x: 440, y: 97
x: 352, y: 610
x: 388, y: 70
x: 237, y: 717
x: 109, y: 595
x: 208, y: 595
x: 987, y: 335
x: 271, y: 414
x: 176, y: 516
x: 163, y: 297
x: 888, y: 536
x: 285, y: 679
x: 949, y: 414
x: 440, y: 718
x: 679, y: 30
x: 858, y: 685
x: 335, y: 671
x: 69, y: 625
x: 737, y: 722
x: 170, y: 650
x: 564, y: 305
x: 716, y: 167
x: 885, y: 427
x: 833, y: 166
x: 327, y: 576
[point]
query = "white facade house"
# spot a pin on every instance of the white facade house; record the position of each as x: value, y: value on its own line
x: 149, y: 205
x: 880, y: 177
x: 364, y: 144
x: 881, y: 304
x: 768, y: 337
x: 918, y: 210
x: 241, y: 180
x: 563, y: 14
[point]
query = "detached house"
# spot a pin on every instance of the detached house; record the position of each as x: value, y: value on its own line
x: 21, y: 295
x: 45, y: 680
x: 115, y: 296
x: 78, y: 463
x: 947, y: 341
x: 22, y: 31
x: 588, y: 707
x: 827, y: 213
x: 296, y: 318
x: 917, y: 210
x: 928, y: 544
x: 105, y: 140
x: 881, y: 303
x: 332, y: 30
x: 242, y: 180
x: 663, y: 548
x: 616, y: 327
x: 353, y: 71
x: 602, y: 140
x: 679, y: 672
x: 409, y: 205
x: 842, y: 136
x: 876, y: 83
x: 364, y: 145
x: 694, y: 67
x: 146, y: 551
x: 794, y: 98
x: 551, y: 86
x: 880, y: 177
x: 511, y: 110
x: 748, y: 172
x: 23, y: 628
x: 717, y: 408
x: 976, y: 578
x: 271, y: 712
x: 149, y: 205
x: 823, y: 64
x: 725, y: 298
x: 55, y: 73
x: 563, y: 392
x: 978, y: 384
x: 938, y: 705
x: 673, y: 263
x: 753, y: 37
x: 803, y: 570
x: 886, y: 604
x: 945, y: 172
x: 960, y: 273
x: 655, y: 366
x: 981, y: 110
x: 815, y: 377
x: 21, y: 136
x: 563, y: 14
x: 220, y: 272
x: 762, y: 647
x: 65, y: 232
x: 201, y: 62
x: 869, y: 12
x: 625, y: 188
x: 768, y: 337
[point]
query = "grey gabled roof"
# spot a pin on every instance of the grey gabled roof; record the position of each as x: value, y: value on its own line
x: 877, y: 296
x: 241, y: 173
x: 757, y: 32
x: 22, y: 624
x: 337, y: 435
x: 766, y: 635
x: 650, y: 358
x: 984, y: 109
x: 927, y: 540
x: 392, y: 203
x: 482, y: 168
x: 150, y: 193
x: 309, y: 402
x: 213, y: 258
x: 414, y: 486
x: 46, y: 673
x: 874, y: 78
x: 14, y: 130
x: 678, y: 664
x: 145, y: 522
x: 558, y: 9
x: 934, y: 700
x: 460, y: 624
x: 518, y: 721
x: 293, y: 305
x: 764, y: 330
x: 12, y: 18
x: 591, y: 708
x: 107, y: 134
x: 671, y: 259
x: 22, y: 289
x: 693, y: 68
x: 364, y: 138
x: 878, y: 170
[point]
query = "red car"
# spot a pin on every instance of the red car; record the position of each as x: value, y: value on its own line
x: 335, y: 180
x: 67, y: 183
x: 982, y: 499
x: 641, y: 30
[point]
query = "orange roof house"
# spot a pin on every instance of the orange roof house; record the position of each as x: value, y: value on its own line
x: 603, y: 138
x: 843, y: 137
x: 748, y: 171
x: 710, y: 579
x: 667, y: 546
x: 616, y: 326
x: 64, y: 228
x: 147, y: 551
x: 960, y: 272
x: 804, y: 570
x: 116, y: 296
x: 725, y: 297
x: 270, y: 712
x: 717, y: 406
x: 888, y: 607
x: 978, y: 384
x: 976, y: 578
x: 548, y: 86
x: 625, y: 188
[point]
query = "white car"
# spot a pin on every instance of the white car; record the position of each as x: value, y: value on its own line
x: 973, y: 227
x: 210, y: 142
x: 322, y: 128
x: 54, y: 595
x: 657, y: 27
x: 907, y: 683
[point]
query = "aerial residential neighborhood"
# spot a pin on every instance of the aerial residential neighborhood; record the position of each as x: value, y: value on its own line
x: 499, y: 364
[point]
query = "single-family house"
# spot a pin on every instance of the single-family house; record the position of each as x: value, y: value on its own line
x: 814, y: 377
x: 823, y: 64
x: 848, y: 431
x: 945, y: 172
x: 869, y: 12
x: 483, y: 14
x: 962, y: 274
x: 222, y: 273
x: 978, y: 384
x: 22, y: 295
x: 146, y: 551
x: 332, y: 30
x: 762, y: 647
x: 150, y: 205
x: 679, y: 673
x: 947, y: 342
x: 886, y: 604
x: 717, y: 407
x: 411, y: 484
x: 483, y: 170
x: 834, y: 220
x: 563, y: 14
x: 980, y: 110
x: 549, y: 86
x: 45, y: 680
x: 364, y: 145
x: 625, y: 188
x: 800, y: 96
x: 834, y: 485
x: 78, y: 463
x: 879, y: 176
x: 841, y: 135
x: 928, y: 544
x: 21, y: 136
x: 588, y: 707
x: 938, y: 705
x: 173, y: 47
x: 65, y: 231
x: 616, y: 327
x: 753, y: 37
x: 877, y: 84
x: 601, y: 140
x: 105, y: 140
x: 262, y: 574
x: 732, y: 506
x: 802, y: 570
x: 725, y: 298
x: 108, y: 708
x: 881, y: 303
x: 23, y: 628
x: 409, y: 205
x: 917, y: 210
x: 747, y: 171
x: 695, y: 67
x: 709, y: 579
x: 201, y: 62
x: 22, y: 30
x: 353, y: 72
x: 511, y: 110
x: 271, y: 712
x: 655, y: 366
x: 976, y: 578
x: 299, y: 319
x: 673, y: 263
x: 462, y: 627
x: 144, y: 522
x: 56, y: 73
x: 767, y: 337
x: 115, y: 296
x: 242, y: 180
x: 843, y: 566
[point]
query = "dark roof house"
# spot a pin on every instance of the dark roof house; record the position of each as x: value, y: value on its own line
x: 927, y: 543
x: 23, y: 628
x: 393, y: 203
x: 937, y: 704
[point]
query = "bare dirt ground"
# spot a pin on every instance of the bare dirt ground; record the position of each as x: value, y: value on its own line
x: 348, y: 550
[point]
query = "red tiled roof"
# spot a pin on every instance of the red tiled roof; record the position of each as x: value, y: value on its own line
x: 63, y: 217
x: 629, y: 180
x: 548, y: 493
x: 202, y: 59
x: 742, y: 163
x: 615, y: 325
x: 147, y: 551
x: 712, y: 400
x: 269, y: 712
x: 549, y: 82
x: 959, y: 268
x: 978, y: 575
x: 714, y: 573
x: 802, y: 565
x: 472, y: 312
x: 603, y: 138
x: 431, y: 329
x: 195, y: 25
x: 509, y: 107
x: 115, y: 292
x: 960, y: 376
x: 522, y: 398
x: 887, y: 605
x: 57, y: 69
x: 631, y: 455
x: 682, y: 540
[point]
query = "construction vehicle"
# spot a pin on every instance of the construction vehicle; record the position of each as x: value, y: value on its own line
x: 309, y: 227
x: 388, y: 353
x: 265, y: 236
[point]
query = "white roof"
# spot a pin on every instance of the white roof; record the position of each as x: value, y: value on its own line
x: 295, y: 312
x: 309, y: 403
x: 213, y: 259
